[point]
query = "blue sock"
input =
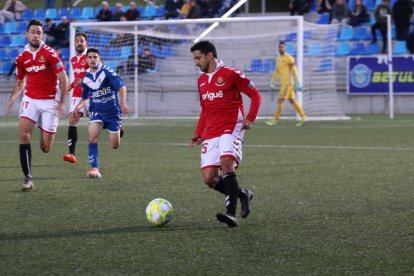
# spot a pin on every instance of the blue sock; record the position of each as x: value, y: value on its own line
x: 93, y: 155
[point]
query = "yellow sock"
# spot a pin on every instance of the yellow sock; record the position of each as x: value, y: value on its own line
x: 299, y: 109
x: 278, y: 112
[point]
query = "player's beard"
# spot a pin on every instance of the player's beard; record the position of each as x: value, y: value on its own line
x: 80, y: 51
x: 35, y: 45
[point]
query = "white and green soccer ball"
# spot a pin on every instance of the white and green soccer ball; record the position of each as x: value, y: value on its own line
x: 159, y: 211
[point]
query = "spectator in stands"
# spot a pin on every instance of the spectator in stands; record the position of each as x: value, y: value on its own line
x: 172, y: 8
x: 116, y: 16
x: 340, y: 13
x: 132, y: 13
x: 228, y: 4
x: 62, y: 33
x: 50, y: 31
x: 50, y: 4
x: 203, y: 5
x: 185, y: 9
x: 325, y: 6
x: 410, y: 42
x: 194, y: 11
x: 12, y: 10
x: 299, y: 6
x: 105, y: 14
x: 123, y: 39
x: 381, y: 12
x: 359, y: 14
x: 146, y: 61
x: 213, y: 8
x: 402, y: 12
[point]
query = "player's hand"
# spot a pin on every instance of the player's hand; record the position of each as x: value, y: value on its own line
x: 60, y: 108
x: 77, y: 82
x: 196, y: 140
x: 272, y: 86
x: 246, y: 124
x: 124, y: 109
x: 298, y: 86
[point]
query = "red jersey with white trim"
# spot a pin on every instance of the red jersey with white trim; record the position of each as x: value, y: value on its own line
x: 221, y: 101
x: 41, y: 68
x: 79, y: 66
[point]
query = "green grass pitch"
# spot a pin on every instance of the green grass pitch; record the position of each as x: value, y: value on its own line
x: 330, y: 198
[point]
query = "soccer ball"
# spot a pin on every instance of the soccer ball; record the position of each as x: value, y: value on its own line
x: 159, y: 211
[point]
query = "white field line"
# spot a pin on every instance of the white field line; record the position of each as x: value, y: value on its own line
x: 255, y: 146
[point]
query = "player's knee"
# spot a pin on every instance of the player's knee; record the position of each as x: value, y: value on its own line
x: 24, y: 138
x: 210, y: 180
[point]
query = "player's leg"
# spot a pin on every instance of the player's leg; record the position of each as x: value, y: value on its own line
x: 48, y: 124
x: 73, y: 130
x: 94, y: 131
x: 26, y: 127
x: 280, y: 101
x: 290, y: 95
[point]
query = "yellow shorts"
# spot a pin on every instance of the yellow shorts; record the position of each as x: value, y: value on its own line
x: 286, y: 91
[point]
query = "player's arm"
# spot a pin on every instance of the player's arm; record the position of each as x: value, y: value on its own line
x: 18, y: 89
x: 122, y: 99
x: 274, y: 77
x: 63, y: 86
x: 201, y: 124
x: 294, y: 70
x: 248, y: 87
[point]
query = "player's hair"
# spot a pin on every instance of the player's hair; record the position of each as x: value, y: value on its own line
x: 205, y: 47
x: 82, y: 34
x: 92, y: 50
x: 34, y: 22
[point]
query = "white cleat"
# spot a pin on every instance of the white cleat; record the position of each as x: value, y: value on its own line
x: 27, y: 184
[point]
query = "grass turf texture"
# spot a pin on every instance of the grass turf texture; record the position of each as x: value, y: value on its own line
x: 330, y: 198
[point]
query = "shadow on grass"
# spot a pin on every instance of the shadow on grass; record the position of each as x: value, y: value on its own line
x: 117, y: 230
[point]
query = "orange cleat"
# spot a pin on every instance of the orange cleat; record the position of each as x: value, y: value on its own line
x: 70, y: 158
x: 93, y: 173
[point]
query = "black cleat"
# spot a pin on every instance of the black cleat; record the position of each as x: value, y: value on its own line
x: 245, y: 202
x: 230, y: 220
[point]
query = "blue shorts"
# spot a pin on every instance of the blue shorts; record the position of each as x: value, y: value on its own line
x: 111, y: 122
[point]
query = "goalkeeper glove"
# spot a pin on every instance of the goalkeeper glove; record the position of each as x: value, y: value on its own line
x: 272, y: 86
x: 298, y: 86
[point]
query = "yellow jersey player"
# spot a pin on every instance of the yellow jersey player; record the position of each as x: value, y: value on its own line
x: 286, y: 69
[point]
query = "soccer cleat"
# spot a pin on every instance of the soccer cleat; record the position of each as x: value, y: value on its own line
x: 303, y: 121
x: 27, y: 184
x: 69, y: 158
x: 270, y: 123
x: 230, y: 220
x: 94, y: 173
x: 121, y: 132
x: 245, y: 202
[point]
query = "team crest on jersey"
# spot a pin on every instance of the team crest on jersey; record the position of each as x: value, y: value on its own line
x: 83, y: 63
x: 42, y: 58
x: 360, y: 76
x: 220, y: 81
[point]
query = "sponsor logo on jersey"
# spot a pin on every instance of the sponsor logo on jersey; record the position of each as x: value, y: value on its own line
x: 42, y: 58
x: 59, y: 64
x: 212, y: 95
x: 251, y: 85
x: 26, y: 61
x: 36, y: 68
x: 360, y: 76
x: 202, y: 84
x: 101, y: 92
x: 79, y: 70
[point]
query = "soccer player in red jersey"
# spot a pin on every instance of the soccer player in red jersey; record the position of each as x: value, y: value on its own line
x: 79, y: 66
x: 41, y: 70
x: 221, y: 126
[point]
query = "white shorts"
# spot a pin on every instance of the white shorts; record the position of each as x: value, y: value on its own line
x: 74, y: 101
x: 40, y: 111
x: 226, y: 145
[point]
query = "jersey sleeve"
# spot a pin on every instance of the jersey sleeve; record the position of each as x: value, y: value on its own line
x: 294, y: 69
x: 85, y: 91
x: 114, y: 79
x: 55, y: 62
x: 275, y: 73
x: 20, y: 71
x: 247, y: 87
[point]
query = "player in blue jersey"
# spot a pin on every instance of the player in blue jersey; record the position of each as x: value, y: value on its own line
x: 106, y: 93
